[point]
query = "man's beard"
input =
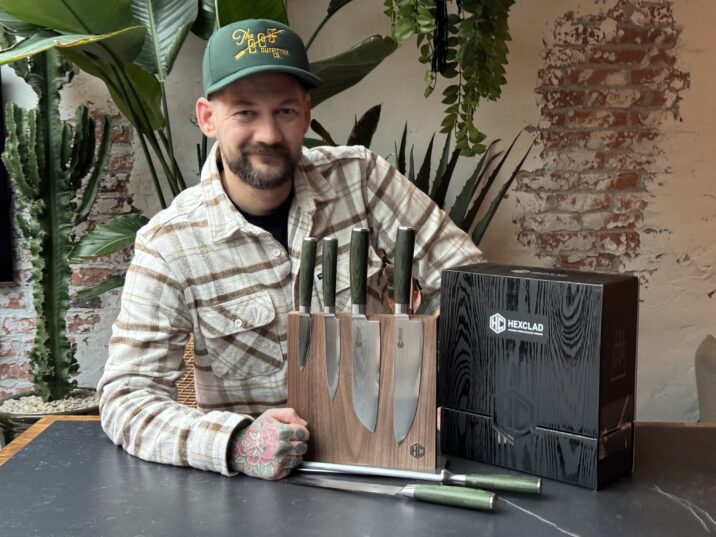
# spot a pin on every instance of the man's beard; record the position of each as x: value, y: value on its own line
x: 241, y: 166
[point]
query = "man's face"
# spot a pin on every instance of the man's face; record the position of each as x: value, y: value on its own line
x: 259, y: 122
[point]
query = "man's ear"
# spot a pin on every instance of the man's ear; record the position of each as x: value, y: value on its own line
x: 205, y: 117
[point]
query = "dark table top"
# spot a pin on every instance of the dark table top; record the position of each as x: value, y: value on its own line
x: 72, y: 481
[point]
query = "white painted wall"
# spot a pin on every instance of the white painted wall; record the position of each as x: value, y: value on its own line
x: 676, y: 311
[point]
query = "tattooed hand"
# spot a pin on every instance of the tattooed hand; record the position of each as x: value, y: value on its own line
x: 271, y: 446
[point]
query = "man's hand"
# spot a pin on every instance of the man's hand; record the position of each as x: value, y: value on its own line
x: 271, y: 446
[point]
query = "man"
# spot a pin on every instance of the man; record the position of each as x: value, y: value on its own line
x: 221, y: 263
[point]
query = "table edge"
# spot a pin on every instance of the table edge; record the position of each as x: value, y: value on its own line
x: 33, y: 431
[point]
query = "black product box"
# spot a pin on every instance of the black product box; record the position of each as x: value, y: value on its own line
x: 537, y: 370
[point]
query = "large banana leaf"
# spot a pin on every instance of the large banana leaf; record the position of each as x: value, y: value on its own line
x: 348, y: 68
x: 15, y: 25
x: 167, y: 23
x: 365, y: 127
x: 73, y: 16
x: 205, y: 22
x: 127, y: 43
x: 108, y: 238
x: 100, y: 288
x: 229, y: 11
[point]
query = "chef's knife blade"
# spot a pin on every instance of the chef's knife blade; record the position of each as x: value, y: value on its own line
x: 408, y: 346
x: 365, y: 336
x: 455, y: 496
x: 333, y: 338
x: 501, y: 482
x: 305, y: 292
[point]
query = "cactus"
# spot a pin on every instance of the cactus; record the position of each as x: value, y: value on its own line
x: 47, y: 160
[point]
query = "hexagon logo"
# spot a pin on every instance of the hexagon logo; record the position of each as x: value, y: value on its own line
x: 497, y: 323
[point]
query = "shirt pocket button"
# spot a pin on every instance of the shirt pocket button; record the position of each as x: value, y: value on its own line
x: 238, y: 323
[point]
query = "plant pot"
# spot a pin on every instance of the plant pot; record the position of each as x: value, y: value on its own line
x: 12, y: 423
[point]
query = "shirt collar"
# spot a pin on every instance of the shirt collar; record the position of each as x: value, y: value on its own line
x: 310, y: 186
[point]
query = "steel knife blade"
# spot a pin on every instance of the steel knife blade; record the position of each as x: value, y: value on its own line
x: 408, y: 346
x: 332, y: 331
x: 365, y: 336
x: 305, y: 293
x: 445, y: 495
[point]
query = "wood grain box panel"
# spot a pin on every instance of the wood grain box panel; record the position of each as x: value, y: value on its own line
x: 336, y: 433
x: 537, y: 370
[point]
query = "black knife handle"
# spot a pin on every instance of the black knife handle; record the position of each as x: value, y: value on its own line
x: 403, y: 264
x: 329, y: 260
x: 359, y: 265
x: 305, y: 271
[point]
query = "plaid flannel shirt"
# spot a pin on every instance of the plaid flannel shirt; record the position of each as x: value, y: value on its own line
x: 200, y: 268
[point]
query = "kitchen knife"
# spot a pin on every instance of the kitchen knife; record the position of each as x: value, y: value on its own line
x: 456, y: 496
x: 365, y: 336
x: 500, y: 482
x: 408, y: 338
x: 305, y: 292
x: 332, y: 331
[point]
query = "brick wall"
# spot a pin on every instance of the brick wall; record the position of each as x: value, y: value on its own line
x: 87, y: 318
x: 608, y: 82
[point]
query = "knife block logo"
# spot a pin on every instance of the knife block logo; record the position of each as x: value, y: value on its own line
x: 417, y: 451
x: 497, y: 323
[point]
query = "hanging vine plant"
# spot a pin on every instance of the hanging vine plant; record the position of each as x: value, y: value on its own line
x: 468, y: 47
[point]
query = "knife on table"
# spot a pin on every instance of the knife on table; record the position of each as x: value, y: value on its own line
x: 305, y: 292
x: 501, y: 482
x: 332, y: 331
x: 455, y: 496
x: 365, y: 336
x: 408, y: 346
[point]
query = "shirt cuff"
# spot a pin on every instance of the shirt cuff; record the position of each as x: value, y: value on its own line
x: 208, y: 441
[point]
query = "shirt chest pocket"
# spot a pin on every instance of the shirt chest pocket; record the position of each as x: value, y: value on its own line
x: 240, y: 337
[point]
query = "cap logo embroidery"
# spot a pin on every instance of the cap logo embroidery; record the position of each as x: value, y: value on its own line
x: 253, y: 44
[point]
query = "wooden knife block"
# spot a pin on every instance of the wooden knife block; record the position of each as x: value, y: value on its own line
x: 336, y: 433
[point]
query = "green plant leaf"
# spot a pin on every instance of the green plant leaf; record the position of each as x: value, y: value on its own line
x: 322, y: 132
x: 167, y: 23
x: 442, y: 181
x: 15, y: 25
x: 108, y: 238
x: 342, y: 71
x: 422, y: 181
x: 205, y: 22
x: 92, y: 186
x: 229, y: 11
x: 400, y: 156
x: 462, y: 202
x: 335, y: 5
x: 101, y: 288
x: 313, y: 142
x: 129, y: 41
x: 484, y: 222
x: 364, y: 128
x: 73, y: 16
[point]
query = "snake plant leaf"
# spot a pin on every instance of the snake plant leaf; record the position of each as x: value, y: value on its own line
x: 103, y: 287
x: 462, y: 202
x: 484, y: 222
x: 364, y: 128
x: 229, y: 11
x: 92, y: 185
x: 109, y: 237
x: 167, y: 23
x: 400, y: 156
x: 442, y: 182
x: 342, y: 71
x: 127, y: 41
x: 422, y: 181
x: 205, y: 22
x: 73, y: 16
x: 475, y: 207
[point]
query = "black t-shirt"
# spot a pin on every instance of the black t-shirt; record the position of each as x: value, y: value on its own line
x: 275, y: 222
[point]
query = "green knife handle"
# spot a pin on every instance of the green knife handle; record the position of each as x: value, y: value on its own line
x: 329, y: 260
x: 403, y: 264
x: 457, y: 496
x: 305, y: 275
x: 507, y: 483
x: 359, y: 265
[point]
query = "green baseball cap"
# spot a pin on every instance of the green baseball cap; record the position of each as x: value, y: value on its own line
x: 253, y: 46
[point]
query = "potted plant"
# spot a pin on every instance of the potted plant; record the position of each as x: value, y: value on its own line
x: 50, y: 162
